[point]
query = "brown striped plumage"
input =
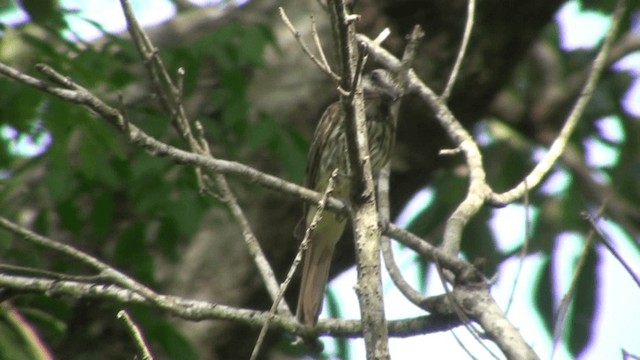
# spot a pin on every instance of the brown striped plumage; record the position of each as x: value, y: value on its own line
x: 328, y: 152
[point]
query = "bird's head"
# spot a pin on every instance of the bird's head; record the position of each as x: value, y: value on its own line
x: 381, y: 82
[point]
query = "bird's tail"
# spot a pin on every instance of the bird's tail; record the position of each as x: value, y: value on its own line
x: 315, y: 274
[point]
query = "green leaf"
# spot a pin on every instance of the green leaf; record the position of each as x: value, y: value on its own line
x: 41, y: 224
x: 573, y: 203
x: 261, y: 134
x: 162, y: 334
x: 289, y: 148
x: 333, y: 304
x: 70, y: 216
x: 102, y: 215
x: 544, y: 296
x: 423, y: 272
x: 584, y: 303
x: 148, y: 187
x: 186, y: 213
x: 131, y: 253
x: 49, y: 315
x: 60, y: 183
x: 167, y: 336
x: 333, y: 308
x: 19, y: 105
x: 5, y: 242
x: 510, y: 154
x: 168, y: 238
x: 254, y: 39
x: 45, y: 12
x: 96, y: 154
x: 17, y: 338
x: 47, y: 323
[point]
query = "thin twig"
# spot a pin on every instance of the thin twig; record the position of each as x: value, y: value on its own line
x: 384, y: 207
x: 169, y: 94
x: 362, y: 59
x: 523, y: 250
x: 195, y: 310
x: 106, y: 272
x: 563, y: 307
x: 319, y: 47
x: 458, y: 309
x: 409, y: 55
x: 471, y: 8
x: 147, y: 51
x: 75, y: 93
x: 462, y: 269
x: 478, y: 189
x: 557, y: 148
x: 396, y: 274
x: 168, y: 90
x: 604, y: 239
x: 25, y: 270
x: 382, y: 36
x: 323, y: 65
x: 138, y: 338
x: 296, y: 262
x: 252, y: 243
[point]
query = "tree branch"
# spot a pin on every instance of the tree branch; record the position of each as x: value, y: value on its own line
x: 195, y: 310
x: 364, y: 213
x: 471, y: 9
x: 75, y: 93
x: 544, y: 166
x: 170, y: 96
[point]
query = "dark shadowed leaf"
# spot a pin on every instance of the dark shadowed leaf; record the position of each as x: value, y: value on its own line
x: 543, y: 296
x: 584, y: 304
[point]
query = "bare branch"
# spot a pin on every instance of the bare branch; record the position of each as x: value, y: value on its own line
x: 141, y: 344
x: 322, y: 64
x: 170, y: 96
x: 106, y: 272
x: 523, y: 250
x: 563, y: 307
x: 138, y: 137
x: 604, y: 239
x: 384, y: 207
x: 463, y: 270
x: 471, y: 8
x: 362, y: 193
x: 201, y: 310
x: 396, y: 274
x: 296, y: 262
x: 478, y: 189
x: 319, y: 47
x: 544, y: 166
x: 409, y: 55
x: 478, y: 303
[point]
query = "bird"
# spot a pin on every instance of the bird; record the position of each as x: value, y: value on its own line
x: 328, y: 151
